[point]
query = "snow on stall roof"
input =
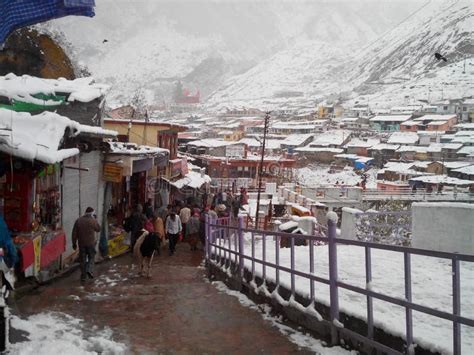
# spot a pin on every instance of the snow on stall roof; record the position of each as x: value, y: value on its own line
x: 134, y: 149
x: 390, y: 118
x: 39, y: 137
x: 435, y: 117
x: 403, y: 138
x: 193, y: 179
x: 443, y: 179
x: 23, y: 87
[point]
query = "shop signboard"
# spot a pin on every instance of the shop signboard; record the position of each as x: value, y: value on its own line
x: 112, y: 172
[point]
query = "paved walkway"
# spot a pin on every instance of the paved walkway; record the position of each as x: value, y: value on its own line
x: 176, y: 311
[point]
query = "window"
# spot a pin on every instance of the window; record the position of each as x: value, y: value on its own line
x: 445, y: 108
x: 464, y: 108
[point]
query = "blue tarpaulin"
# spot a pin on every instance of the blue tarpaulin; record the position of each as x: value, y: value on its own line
x: 16, y: 14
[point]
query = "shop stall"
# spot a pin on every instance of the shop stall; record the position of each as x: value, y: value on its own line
x: 31, y: 205
x: 130, y: 174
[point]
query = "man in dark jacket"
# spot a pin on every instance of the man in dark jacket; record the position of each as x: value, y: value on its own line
x: 83, y: 233
x: 137, y: 223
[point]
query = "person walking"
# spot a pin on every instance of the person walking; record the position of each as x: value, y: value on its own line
x: 184, y: 216
x: 136, y: 222
x: 193, y: 227
x: 173, y: 227
x: 84, y: 235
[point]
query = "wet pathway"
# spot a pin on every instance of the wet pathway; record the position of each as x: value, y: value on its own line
x: 176, y: 311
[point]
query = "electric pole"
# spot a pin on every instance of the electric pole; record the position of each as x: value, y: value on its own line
x: 260, y: 167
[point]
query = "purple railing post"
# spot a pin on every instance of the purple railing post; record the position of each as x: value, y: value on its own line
x: 311, y: 262
x: 264, y: 257
x: 241, y: 246
x: 292, y: 265
x: 408, y: 311
x: 277, y: 260
x: 334, y: 297
x: 456, y: 306
x: 370, y: 305
x: 207, y: 236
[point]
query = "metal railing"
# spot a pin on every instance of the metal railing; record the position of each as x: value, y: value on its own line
x: 225, y: 247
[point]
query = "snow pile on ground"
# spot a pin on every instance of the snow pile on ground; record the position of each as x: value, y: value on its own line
x: 59, y: 333
x: 301, y: 339
x: 431, y: 286
x: 318, y: 175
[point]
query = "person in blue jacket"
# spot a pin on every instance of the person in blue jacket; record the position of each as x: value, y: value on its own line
x: 10, y: 255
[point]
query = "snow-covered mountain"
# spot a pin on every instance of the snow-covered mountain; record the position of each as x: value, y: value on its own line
x: 205, y: 43
x: 396, y: 68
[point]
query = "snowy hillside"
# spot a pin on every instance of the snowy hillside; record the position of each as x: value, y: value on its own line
x: 397, y: 67
x: 152, y: 44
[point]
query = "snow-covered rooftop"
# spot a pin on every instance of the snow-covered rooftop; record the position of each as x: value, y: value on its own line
x: 443, y: 179
x: 336, y: 137
x: 390, y: 118
x: 384, y: 146
x: 309, y: 149
x: 469, y: 151
x: 39, y: 137
x: 22, y: 88
x: 467, y: 126
x: 435, y: 117
x: 359, y: 143
x: 469, y: 170
x: 193, y: 179
x: 403, y: 138
x: 211, y: 143
x: 296, y: 139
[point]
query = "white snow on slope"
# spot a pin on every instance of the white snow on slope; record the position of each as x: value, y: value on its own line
x: 59, y: 333
x: 152, y: 44
x: 431, y: 286
x: 397, y: 68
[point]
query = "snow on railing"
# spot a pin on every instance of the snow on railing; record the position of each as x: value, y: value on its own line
x: 235, y: 248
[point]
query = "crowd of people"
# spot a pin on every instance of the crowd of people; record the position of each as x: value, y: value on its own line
x: 151, y: 230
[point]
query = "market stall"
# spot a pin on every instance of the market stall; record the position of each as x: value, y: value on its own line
x: 31, y: 204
